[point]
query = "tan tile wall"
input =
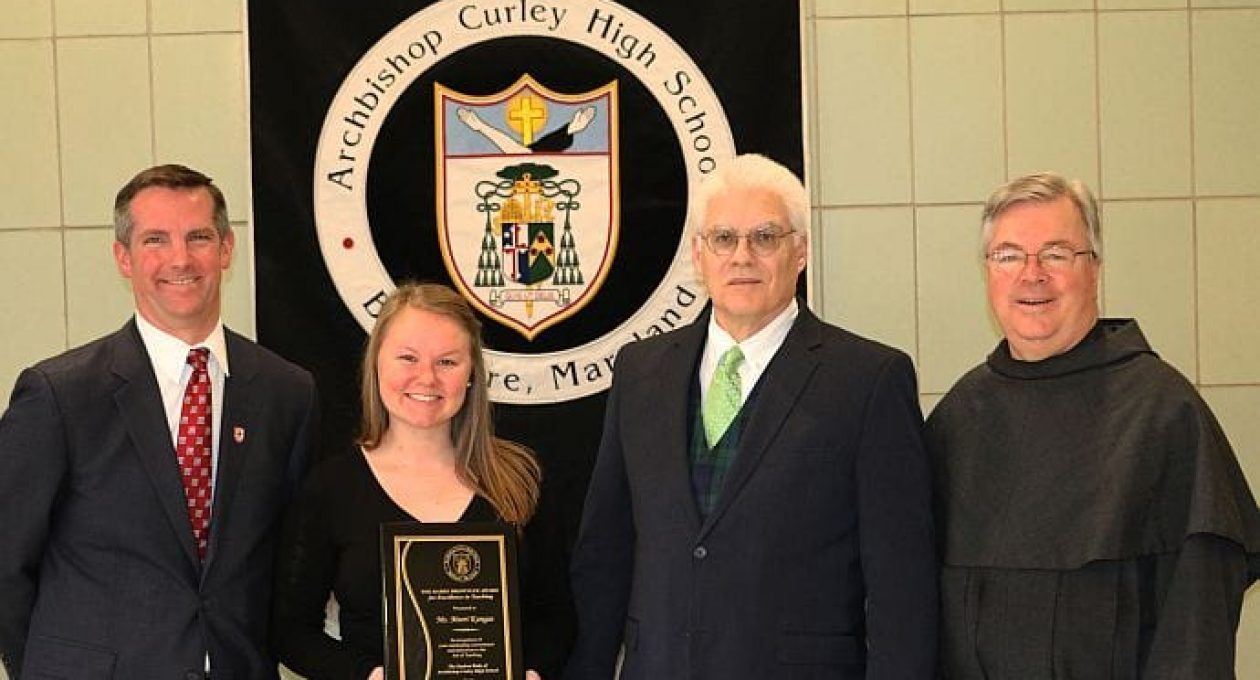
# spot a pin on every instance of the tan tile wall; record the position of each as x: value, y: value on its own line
x: 917, y: 108
x: 93, y: 91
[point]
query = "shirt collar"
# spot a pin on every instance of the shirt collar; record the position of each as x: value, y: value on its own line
x: 760, y: 347
x: 169, y: 354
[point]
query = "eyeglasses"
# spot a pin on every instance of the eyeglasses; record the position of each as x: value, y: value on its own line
x: 1058, y: 258
x: 762, y: 241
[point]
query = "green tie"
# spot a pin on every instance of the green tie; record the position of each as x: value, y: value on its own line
x: 723, y: 400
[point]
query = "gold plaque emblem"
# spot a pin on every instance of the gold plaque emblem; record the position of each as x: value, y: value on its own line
x: 461, y: 563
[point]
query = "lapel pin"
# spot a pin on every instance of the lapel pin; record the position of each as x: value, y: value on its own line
x: 238, y: 434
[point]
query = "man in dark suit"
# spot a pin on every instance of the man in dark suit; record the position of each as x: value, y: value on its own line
x: 142, y: 475
x: 760, y: 504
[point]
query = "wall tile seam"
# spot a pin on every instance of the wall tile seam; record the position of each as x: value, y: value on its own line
x: 988, y: 13
x: 809, y: 51
x: 57, y: 228
x: 1101, y: 198
x: 1036, y: 12
x: 1196, y: 330
x: 913, y: 189
x: 75, y: 37
x: 1199, y: 386
x: 1025, y: 12
x: 856, y: 17
x: 26, y: 39
x: 1224, y: 8
x: 1176, y: 197
x: 1003, y: 84
x: 153, y: 83
x: 1098, y: 107
x: 61, y: 179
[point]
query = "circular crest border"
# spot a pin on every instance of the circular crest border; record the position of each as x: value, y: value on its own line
x: 444, y: 28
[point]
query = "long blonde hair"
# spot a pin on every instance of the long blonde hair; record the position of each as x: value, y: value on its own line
x: 504, y: 472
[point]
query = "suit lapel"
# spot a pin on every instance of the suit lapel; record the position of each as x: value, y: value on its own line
x: 780, y: 388
x: 675, y: 376
x: 234, y: 435
x: 139, y: 401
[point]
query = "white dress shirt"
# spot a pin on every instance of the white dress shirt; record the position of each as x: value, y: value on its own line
x: 169, y: 358
x: 758, y: 349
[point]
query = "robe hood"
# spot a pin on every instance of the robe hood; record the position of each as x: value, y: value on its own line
x: 1111, y: 341
x: 1104, y: 452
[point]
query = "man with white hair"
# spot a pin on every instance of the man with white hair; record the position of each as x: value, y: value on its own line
x: 760, y: 504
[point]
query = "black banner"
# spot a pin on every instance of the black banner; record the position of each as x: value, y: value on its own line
x: 621, y: 106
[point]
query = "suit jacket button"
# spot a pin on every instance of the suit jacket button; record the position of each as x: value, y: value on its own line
x: 700, y: 552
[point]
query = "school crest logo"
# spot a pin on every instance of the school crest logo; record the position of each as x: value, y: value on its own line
x: 543, y: 155
x: 528, y: 198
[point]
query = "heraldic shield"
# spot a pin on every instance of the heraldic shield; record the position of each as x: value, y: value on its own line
x: 528, y: 199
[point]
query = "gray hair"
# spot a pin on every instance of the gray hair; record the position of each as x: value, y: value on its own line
x: 753, y: 171
x: 170, y: 176
x: 1043, y: 187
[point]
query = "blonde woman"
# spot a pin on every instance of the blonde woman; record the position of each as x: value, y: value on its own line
x: 426, y: 453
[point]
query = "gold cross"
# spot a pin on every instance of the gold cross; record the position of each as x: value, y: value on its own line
x: 528, y: 115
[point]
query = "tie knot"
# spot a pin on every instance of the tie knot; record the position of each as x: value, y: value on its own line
x: 730, y: 360
x: 197, y: 358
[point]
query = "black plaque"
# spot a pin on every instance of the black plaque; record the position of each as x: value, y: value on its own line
x: 451, y: 602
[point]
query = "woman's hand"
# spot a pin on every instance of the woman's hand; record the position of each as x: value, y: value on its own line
x: 532, y: 675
